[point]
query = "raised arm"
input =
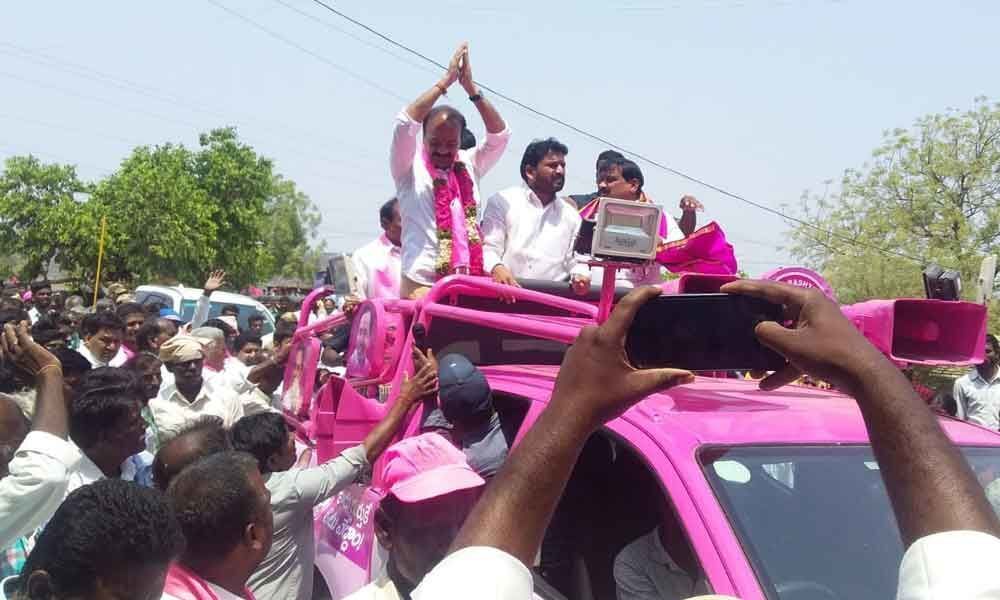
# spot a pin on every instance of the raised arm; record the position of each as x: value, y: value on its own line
x: 516, y: 508
x: 491, y: 118
x: 423, y: 383
x: 930, y: 484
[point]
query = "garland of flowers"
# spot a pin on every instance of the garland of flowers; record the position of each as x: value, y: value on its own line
x: 458, y: 183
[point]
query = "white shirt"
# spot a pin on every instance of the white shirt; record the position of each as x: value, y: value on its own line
x: 950, y: 566
x: 220, y: 593
x: 172, y: 411
x: 978, y: 400
x: 34, y: 315
x: 534, y: 241
x: 645, y: 571
x: 415, y: 191
x: 377, y: 267
x: 36, y: 484
x: 86, y: 472
x: 477, y: 572
x: 381, y: 589
x: 95, y: 363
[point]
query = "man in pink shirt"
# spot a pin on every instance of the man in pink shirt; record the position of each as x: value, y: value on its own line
x: 377, y: 263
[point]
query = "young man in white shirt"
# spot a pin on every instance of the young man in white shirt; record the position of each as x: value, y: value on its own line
x: 946, y: 523
x: 34, y: 474
x: 529, y: 230
x: 437, y: 183
x: 102, y: 338
x: 977, y: 393
x: 106, y: 423
x: 41, y: 298
x: 377, y: 264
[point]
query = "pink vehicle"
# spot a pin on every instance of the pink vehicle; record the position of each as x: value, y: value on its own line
x: 770, y: 495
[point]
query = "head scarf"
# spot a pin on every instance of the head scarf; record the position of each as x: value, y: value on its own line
x: 181, y: 348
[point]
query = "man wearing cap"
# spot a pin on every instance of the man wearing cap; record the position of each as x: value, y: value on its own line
x: 189, y: 395
x: 466, y: 402
x: 430, y: 489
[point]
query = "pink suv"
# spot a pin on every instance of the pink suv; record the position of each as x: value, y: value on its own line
x: 763, y: 494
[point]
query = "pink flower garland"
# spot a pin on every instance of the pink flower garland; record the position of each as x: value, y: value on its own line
x: 458, y: 183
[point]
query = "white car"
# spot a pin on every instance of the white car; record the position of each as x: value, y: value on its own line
x: 184, y: 300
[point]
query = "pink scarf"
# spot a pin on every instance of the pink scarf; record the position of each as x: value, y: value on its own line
x: 185, y: 585
x: 460, y: 242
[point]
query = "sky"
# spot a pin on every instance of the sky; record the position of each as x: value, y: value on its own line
x: 764, y: 98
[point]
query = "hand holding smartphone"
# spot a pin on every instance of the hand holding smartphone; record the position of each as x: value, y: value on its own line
x: 702, y: 332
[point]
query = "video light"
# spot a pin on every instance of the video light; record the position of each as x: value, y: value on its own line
x: 626, y: 230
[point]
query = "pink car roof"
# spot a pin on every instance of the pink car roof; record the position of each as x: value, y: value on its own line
x: 734, y: 412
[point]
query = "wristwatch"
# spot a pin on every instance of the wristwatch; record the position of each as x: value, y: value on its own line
x: 476, y: 97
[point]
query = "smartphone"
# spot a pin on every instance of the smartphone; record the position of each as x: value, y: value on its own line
x: 702, y: 332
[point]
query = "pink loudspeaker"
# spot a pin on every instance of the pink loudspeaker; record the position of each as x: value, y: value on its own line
x: 928, y: 332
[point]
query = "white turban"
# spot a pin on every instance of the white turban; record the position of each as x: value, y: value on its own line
x: 181, y: 348
x: 207, y: 335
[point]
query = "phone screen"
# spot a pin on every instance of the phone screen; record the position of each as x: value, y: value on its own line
x: 702, y: 332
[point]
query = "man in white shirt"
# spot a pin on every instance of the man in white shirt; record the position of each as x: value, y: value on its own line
x: 102, y: 338
x: 189, y: 395
x: 34, y: 469
x: 416, y: 163
x: 529, y: 230
x: 377, y: 264
x: 949, y: 529
x: 977, y: 393
x: 41, y: 298
x: 106, y: 424
x: 224, y: 511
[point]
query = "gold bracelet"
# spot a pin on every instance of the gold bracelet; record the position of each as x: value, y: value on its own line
x: 47, y: 367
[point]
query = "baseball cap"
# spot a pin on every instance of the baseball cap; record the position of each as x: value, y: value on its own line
x: 425, y: 467
x: 170, y: 315
x: 462, y: 388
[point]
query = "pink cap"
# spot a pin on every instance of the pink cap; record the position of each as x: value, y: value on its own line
x: 425, y: 467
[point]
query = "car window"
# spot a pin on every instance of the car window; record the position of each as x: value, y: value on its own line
x: 815, y: 522
x: 215, y: 309
x: 146, y: 298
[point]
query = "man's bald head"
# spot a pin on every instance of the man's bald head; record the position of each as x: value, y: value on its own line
x: 202, y: 438
x: 14, y: 427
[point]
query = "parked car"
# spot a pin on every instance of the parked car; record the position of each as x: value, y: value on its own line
x: 761, y: 495
x: 184, y: 299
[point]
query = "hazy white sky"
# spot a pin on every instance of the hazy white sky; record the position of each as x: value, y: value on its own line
x: 764, y: 98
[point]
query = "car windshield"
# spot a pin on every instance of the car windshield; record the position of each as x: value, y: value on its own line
x: 815, y: 522
x: 215, y: 309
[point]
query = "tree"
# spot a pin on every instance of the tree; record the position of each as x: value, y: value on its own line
x: 293, y: 221
x: 929, y: 194
x: 159, y: 219
x: 39, y: 212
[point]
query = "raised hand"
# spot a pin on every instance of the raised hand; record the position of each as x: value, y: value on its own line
x: 215, y: 280
x: 423, y: 383
x: 822, y: 343
x: 465, y: 73
x: 18, y: 347
x: 691, y: 204
x: 596, y: 381
x: 455, y: 66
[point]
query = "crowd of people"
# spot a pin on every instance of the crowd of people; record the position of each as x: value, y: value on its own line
x: 144, y: 456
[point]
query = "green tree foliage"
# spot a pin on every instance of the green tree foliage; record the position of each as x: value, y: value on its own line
x: 172, y: 214
x: 291, y: 235
x: 39, y: 213
x: 931, y: 192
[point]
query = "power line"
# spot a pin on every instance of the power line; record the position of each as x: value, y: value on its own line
x: 311, y: 53
x: 611, y: 144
